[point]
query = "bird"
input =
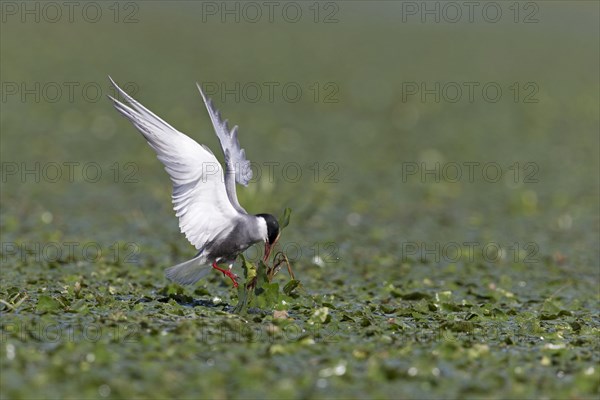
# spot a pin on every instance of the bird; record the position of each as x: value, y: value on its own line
x: 204, y: 196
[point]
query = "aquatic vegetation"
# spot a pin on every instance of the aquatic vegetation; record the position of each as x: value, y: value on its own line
x: 408, y: 279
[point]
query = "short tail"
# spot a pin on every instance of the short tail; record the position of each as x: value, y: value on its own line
x: 189, y: 272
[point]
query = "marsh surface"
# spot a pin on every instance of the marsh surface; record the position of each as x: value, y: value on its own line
x: 445, y: 233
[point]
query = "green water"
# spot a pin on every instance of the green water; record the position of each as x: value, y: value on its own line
x: 443, y: 179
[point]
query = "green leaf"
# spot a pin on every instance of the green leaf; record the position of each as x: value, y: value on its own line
x: 268, y: 296
x: 246, y: 290
x: 262, y: 274
x: 47, y: 304
x: 290, y: 286
x: 411, y: 296
x: 249, y: 269
x: 244, y: 295
x: 284, y: 220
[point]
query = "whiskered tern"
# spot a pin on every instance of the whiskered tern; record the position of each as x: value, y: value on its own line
x: 204, y: 198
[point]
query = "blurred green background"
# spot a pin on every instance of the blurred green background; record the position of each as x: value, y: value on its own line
x: 403, y: 321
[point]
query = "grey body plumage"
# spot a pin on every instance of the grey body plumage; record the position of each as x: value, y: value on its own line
x: 243, y: 235
x: 204, y: 196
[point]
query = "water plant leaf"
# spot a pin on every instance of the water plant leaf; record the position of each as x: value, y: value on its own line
x: 47, y: 304
x: 284, y: 219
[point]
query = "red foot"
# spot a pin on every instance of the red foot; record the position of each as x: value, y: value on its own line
x: 227, y: 273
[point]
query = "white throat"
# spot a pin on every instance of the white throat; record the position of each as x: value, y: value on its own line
x: 262, y: 228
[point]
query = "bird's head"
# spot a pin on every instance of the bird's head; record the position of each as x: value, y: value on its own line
x: 272, y: 233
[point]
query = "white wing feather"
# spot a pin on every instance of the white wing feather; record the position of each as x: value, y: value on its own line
x: 237, y: 167
x: 199, y: 196
x: 235, y: 156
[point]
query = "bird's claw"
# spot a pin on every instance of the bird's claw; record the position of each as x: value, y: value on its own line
x: 233, y: 278
x: 227, y: 273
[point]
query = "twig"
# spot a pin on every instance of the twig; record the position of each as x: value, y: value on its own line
x: 283, y: 258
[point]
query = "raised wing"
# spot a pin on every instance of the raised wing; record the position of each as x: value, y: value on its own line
x: 199, y: 196
x: 237, y: 167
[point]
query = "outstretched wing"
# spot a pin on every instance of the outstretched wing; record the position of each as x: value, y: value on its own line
x: 199, y: 196
x: 237, y: 167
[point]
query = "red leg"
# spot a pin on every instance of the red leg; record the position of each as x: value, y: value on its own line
x: 227, y: 273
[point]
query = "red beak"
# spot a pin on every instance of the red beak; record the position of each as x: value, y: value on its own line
x: 268, y: 248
